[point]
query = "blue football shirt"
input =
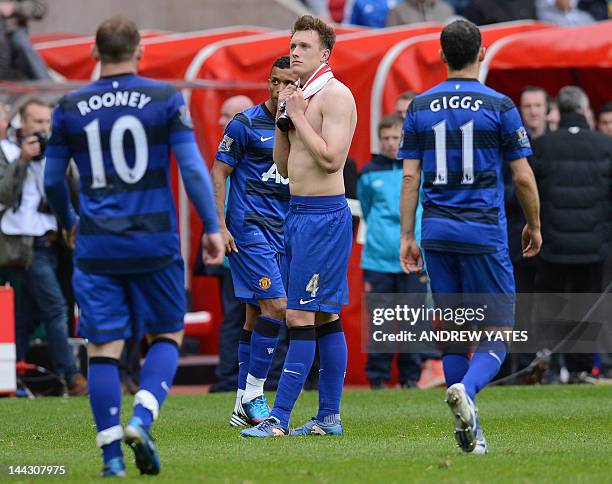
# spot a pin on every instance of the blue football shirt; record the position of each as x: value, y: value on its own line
x: 120, y: 131
x: 259, y: 196
x: 462, y: 131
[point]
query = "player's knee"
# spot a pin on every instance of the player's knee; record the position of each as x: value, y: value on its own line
x: 324, y: 318
x: 111, y: 349
x: 177, y: 337
x: 299, y: 318
x: 250, y: 317
x: 274, y: 308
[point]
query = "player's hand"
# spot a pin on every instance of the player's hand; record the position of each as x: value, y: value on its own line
x: 410, y: 255
x: 296, y: 104
x: 285, y: 93
x: 228, y: 241
x: 212, y: 249
x: 30, y: 148
x: 531, y: 241
x: 70, y: 236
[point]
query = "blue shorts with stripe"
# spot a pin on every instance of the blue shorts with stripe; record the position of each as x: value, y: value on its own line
x: 318, y: 241
x: 258, y: 272
x: 487, y: 278
x: 120, y: 306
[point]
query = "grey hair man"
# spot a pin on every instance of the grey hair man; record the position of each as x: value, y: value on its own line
x: 573, y: 167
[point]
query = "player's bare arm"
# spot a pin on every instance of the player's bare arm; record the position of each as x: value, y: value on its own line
x: 220, y: 172
x: 282, y: 146
x: 410, y: 252
x: 328, y: 148
x: 527, y: 194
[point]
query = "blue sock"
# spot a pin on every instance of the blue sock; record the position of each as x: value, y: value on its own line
x: 244, y: 355
x: 263, y: 344
x: 156, y: 379
x: 105, y: 399
x: 485, y: 364
x: 455, y: 367
x: 302, y: 346
x: 333, y: 356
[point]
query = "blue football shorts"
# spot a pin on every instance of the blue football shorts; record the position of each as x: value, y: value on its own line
x: 258, y: 272
x: 116, y: 307
x: 481, y: 279
x: 318, y: 242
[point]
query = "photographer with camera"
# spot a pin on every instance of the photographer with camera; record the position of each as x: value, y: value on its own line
x: 29, y: 237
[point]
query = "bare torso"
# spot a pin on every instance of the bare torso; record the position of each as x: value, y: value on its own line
x: 306, y: 177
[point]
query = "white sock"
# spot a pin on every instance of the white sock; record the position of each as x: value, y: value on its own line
x: 254, y: 388
x: 239, y: 394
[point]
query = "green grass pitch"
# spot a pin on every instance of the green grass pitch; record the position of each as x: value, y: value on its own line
x: 536, y: 434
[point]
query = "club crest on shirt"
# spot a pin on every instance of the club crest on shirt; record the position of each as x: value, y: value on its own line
x: 265, y: 283
x: 225, y: 144
x: 523, y: 138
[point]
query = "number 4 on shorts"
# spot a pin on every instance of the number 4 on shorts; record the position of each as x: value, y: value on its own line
x: 313, y: 285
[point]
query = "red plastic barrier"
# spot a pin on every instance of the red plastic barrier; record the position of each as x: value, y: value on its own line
x: 7, y: 340
x: 7, y: 315
x: 72, y: 57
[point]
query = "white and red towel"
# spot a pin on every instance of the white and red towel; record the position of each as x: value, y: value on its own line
x: 316, y: 82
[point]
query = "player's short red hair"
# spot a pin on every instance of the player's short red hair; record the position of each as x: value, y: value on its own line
x: 327, y: 36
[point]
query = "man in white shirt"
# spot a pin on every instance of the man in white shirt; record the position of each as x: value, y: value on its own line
x: 26, y: 217
x: 562, y: 12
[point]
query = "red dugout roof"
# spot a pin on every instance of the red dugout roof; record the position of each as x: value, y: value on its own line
x: 415, y: 65
x: 552, y: 59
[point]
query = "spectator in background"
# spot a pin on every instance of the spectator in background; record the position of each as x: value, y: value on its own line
x: 233, y: 310
x: 403, y: 101
x: 534, y: 103
x: 573, y: 169
x: 232, y: 106
x: 534, y: 108
x: 15, y: 250
x: 28, y: 214
x: 604, y: 125
x: 460, y: 6
x: 7, y: 71
x: 553, y: 116
x: 336, y: 10
x: 597, y: 8
x: 328, y: 10
x: 4, y: 120
x: 371, y: 13
x: 562, y: 12
x: 413, y: 11
x: 604, y: 120
x: 15, y: 16
x: 484, y: 12
x: 378, y: 190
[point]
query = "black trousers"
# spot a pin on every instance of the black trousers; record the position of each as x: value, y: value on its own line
x: 571, y: 278
x: 524, y: 280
